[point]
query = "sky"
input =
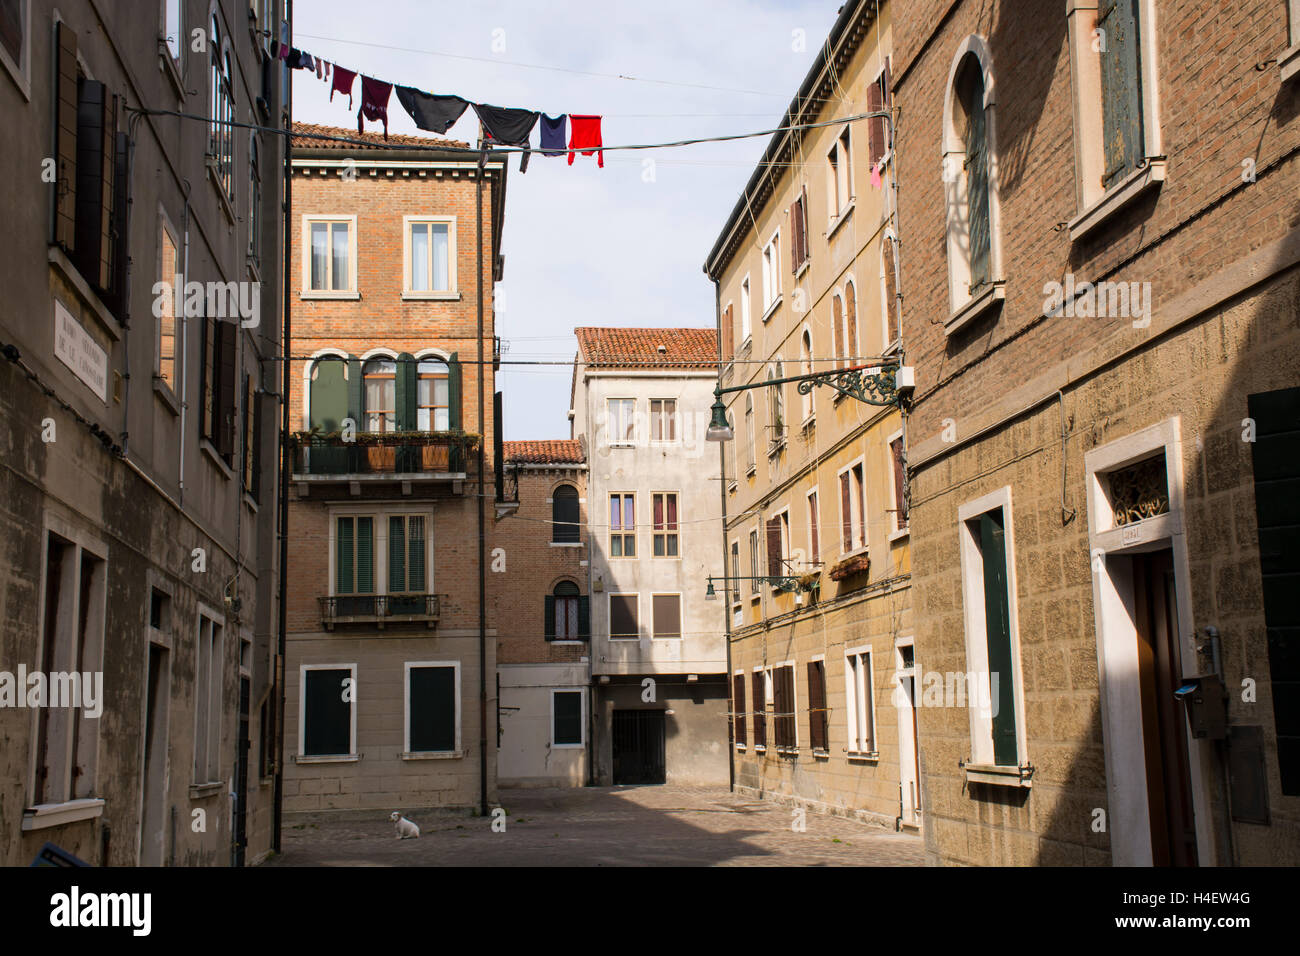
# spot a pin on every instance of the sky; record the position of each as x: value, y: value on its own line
x: 618, y: 246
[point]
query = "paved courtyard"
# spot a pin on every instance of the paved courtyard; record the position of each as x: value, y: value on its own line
x: 603, y: 826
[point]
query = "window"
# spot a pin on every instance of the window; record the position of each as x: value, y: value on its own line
x: 327, y: 717
x: 208, y: 709
x: 430, y: 256
x: 567, y: 728
x: 327, y: 393
x: 859, y: 702
x: 254, y: 202
x: 850, y: 337
x: 899, y: 462
x: 814, y: 530
x: 728, y: 333
x: 406, y: 554
x: 776, y: 405
x: 744, y: 310
x: 252, y: 439
x: 217, y: 386
x: 174, y: 28
x: 665, y: 524
x: 379, y: 377
x: 169, y: 269
x: 159, y: 609
x: 667, y: 612
x: 622, y: 525
x: 354, y: 555
x: 735, y: 572
x: 879, y: 99
x: 623, y: 618
x: 67, y: 737
x: 1289, y: 60
x: 329, y: 255
x: 991, y: 654
x: 620, y: 420
x: 221, y: 112
x: 738, y: 708
x: 15, y: 21
x: 783, y: 707
x: 754, y: 566
x: 839, y: 178
x: 432, y: 707
x: 817, y: 712
x: 564, y: 515
x: 970, y: 96
x: 663, y: 419
x: 749, y: 434
x: 799, y: 231
x: 853, y: 509
x: 771, y: 273
x: 434, y: 397
x: 567, y: 614
x: 891, y: 330
x: 806, y: 368
x: 838, y: 349
x: 778, y: 543
x: 758, y: 684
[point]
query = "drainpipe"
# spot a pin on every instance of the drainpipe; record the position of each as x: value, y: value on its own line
x: 482, y: 532
x: 286, y: 464
x: 179, y: 295
x: 726, y: 562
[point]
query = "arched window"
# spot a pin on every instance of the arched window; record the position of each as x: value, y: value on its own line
x: 749, y: 431
x: 567, y: 614
x: 564, y: 515
x: 254, y: 201
x: 851, y: 344
x: 837, y: 330
x: 806, y: 368
x: 328, y: 394
x: 889, y: 306
x: 776, y: 403
x: 379, y: 377
x: 221, y: 109
x: 434, y: 396
x: 970, y: 180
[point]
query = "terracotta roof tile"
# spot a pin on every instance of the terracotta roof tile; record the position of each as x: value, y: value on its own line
x: 372, y: 140
x: 682, y: 348
x: 560, y: 451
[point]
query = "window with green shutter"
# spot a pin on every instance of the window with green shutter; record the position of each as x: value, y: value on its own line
x: 1121, y: 89
x: 354, y: 558
x: 993, y: 555
x: 406, y: 547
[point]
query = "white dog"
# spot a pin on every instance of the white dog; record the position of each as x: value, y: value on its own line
x: 404, y: 827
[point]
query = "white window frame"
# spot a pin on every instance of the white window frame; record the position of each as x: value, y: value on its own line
x: 1288, y: 60
x: 631, y: 417
x: 807, y: 403
x: 734, y: 599
x: 165, y: 225
x: 673, y: 418
x: 681, y: 616
x: 755, y: 563
x: 896, y: 533
x: 740, y: 715
x: 838, y: 212
x: 786, y: 543
x: 1093, y: 204
x: 352, y: 291
x: 22, y: 72
x: 609, y: 611
x: 771, y: 260
x: 677, y: 534
x: 857, y: 502
x: 303, y: 756
x: 582, y: 724
x: 746, y: 315
x: 860, y: 702
x: 216, y: 674
x: 776, y: 407
x: 623, y: 532
x: 981, y: 767
x: 407, y: 753
x: 452, y: 291
x: 751, y: 463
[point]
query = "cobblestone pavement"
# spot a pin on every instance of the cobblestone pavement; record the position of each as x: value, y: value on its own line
x: 602, y: 826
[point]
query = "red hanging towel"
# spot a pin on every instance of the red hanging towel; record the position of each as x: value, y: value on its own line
x: 343, y: 83
x: 584, y: 135
x: 374, y: 102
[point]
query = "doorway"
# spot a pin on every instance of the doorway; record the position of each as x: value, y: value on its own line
x: 241, y: 775
x: 638, y: 738
x: 908, y: 745
x: 154, y: 775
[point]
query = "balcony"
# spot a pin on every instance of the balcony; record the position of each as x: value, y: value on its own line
x: 379, y: 610
x: 370, y: 456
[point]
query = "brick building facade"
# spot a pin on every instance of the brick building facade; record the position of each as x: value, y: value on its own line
x: 1101, y: 476
x: 391, y: 647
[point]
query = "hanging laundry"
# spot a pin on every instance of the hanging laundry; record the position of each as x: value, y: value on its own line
x: 343, y: 83
x: 284, y: 51
x: 584, y: 135
x: 374, y: 102
x: 508, y: 127
x: 294, y: 60
x: 875, y: 175
x: 437, y: 114
x: 308, y: 62
x: 320, y: 67
x: 553, y: 134
x: 327, y: 73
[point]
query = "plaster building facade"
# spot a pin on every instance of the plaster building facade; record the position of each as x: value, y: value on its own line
x: 137, y: 435
x: 1101, y: 283
x: 391, y: 644
x: 542, y: 599
x: 819, y: 605
x: 658, y: 658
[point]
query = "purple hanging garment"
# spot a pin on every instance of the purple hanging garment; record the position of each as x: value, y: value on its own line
x: 343, y: 83
x: 554, y: 134
x: 374, y: 102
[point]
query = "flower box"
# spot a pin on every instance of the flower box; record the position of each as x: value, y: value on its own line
x: 858, y: 564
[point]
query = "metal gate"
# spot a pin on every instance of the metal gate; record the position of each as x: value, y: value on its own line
x: 639, y: 746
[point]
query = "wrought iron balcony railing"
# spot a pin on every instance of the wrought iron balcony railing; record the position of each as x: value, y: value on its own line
x: 408, y: 454
x: 379, y: 609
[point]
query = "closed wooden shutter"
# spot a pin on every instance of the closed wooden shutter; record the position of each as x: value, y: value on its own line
x: 226, y: 357
x: 876, y: 126
x: 1121, y: 89
x: 760, y: 709
x: 774, y: 547
x: 396, y: 554
x: 356, y: 393
x: 998, y: 630
x: 548, y: 613
x: 584, y: 616
x: 65, y: 186
x: 119, y: 251
x: 889, y: 254
x: 817, y: 705
x: 900, y: 481
x: 365, y: 555
x: 406, y: 390
x: 728, y: 334
x: 207, y: 380
x: 344, y: 556
x: 798, y: 232
x: 454, y: 387
x: 416, y: 581
x: 738, y: 707
x: 96, y: 148
x: 329, y: 394
x: 846, y: 515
